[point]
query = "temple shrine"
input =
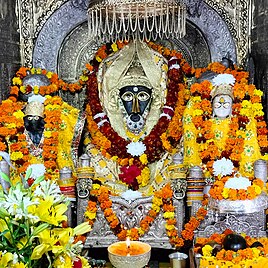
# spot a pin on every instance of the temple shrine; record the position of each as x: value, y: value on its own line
x: 133, y: 133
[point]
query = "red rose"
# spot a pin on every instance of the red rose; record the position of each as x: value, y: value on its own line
x: 129, y: 174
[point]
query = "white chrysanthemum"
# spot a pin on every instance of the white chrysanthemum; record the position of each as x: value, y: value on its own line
x: 221, y: 79
x: 131, y: 195
x: 38, y: 170
x: 37, y: 97
x: 136, y: 148
x: 49, y: 188
x: 238, y: 183
x: 223, y: 167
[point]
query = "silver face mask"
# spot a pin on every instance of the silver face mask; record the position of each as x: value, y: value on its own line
x: 222, y: 106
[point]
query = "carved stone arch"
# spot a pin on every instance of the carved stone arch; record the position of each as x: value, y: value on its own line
x: 213, y: 39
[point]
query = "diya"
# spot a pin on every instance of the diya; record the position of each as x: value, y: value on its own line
x: 129, y: 254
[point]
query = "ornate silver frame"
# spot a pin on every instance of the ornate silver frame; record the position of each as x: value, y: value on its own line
x: 44, y: 25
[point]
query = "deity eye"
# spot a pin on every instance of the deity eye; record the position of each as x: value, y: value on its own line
x: 127, y: 96
x: 33, y: 117
x: 217, y: 105
x: 143, y: 96
x: 226, y: 105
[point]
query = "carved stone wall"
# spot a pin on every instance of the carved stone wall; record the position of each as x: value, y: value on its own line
x: 9, y: 43
x: 260, y: 49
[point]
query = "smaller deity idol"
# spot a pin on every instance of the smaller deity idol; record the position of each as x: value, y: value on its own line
x: 215, y: 126
x: 38, y: 128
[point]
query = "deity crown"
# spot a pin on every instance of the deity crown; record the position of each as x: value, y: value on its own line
x: 223, y: 89
x: 35, y: 108
x: 135, y: 75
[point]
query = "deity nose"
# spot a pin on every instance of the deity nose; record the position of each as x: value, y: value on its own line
x: 135, y: 106
x: 135, y: 117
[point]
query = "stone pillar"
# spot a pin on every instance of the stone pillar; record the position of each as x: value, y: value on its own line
x: 9, y: 43
x: 260, y: 48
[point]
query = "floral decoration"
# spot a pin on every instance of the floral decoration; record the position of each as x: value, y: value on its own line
x: 56, y: 84
x: 33, y: 227
x: 230, y: 185
x: 164, y: 136
x: 249, y: 257
x: 162, y: 200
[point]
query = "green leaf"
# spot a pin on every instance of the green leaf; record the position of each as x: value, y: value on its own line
x: 28, y: 174
x: 38, y: 180
x: 3, y: 213
x: 5, y: 177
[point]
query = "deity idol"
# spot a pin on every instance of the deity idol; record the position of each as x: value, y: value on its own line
x: 221, y: 121
x: 136, y: 107
x: 40, y: 129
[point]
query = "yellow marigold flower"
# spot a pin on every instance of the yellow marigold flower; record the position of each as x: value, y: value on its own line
x: 155, y: 208
x: 143, y: 159
x: 225, y: 193
x: 38, y: 71
x: 169, y: 227
x: 114, y: 47
x: 196, y: 98
x: 141, y: 232
x: 169, y: 215
x: 257, y: 189
x: 246, y: 104
x: 257, y: 106
x: 16, y: 155
x: 207, y: 251
x: 197, y: 112
x: 96, y: 186
x: 17, y: 81
x: 11, y: 125
x: 256, y: 252
x: 258, y: 113
x: 35, y: 90
x: 23, y: 89
x: 33, y: 71
x: 19, y: 114
x: 258, y: 92
x: 47, y: 134
x: 241, y: 133
x: 90, y: 215
x: 98, y: 59
x: 245, y: 112
x: 157, y: 201
x: 83, y: 78
x: 49, y: 75
x: 114, y: 158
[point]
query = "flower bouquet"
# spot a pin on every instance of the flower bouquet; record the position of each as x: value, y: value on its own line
x: 32, y: 225
x: 231, y: 250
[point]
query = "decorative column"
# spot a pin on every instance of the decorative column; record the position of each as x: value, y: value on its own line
x: 67, y: 187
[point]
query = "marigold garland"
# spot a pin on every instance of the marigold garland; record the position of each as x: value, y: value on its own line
x: 162, y: 200
x: 56, y: 83
x: 164, y: 136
